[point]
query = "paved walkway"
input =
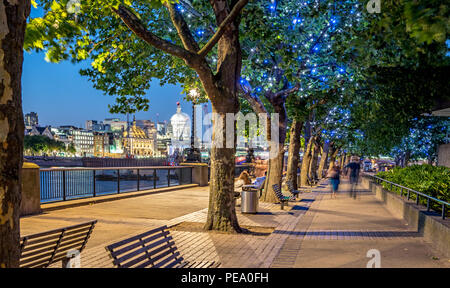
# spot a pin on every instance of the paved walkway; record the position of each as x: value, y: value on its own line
x: 314, y: 232
x: 339, y: 233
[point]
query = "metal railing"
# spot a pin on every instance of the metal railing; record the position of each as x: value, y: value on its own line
x: 61, y: 184
x: 405, y: 190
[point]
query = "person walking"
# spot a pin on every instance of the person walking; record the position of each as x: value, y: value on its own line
x: 354, y: 166
x: 334, y: 177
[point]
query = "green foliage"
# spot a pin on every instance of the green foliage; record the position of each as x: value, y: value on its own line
x: 390, y: 99
x: 405, y: 33
x: 38, y: 144
x: 430, y: 180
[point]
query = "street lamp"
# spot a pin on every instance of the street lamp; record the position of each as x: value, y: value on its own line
x: 194, y: 153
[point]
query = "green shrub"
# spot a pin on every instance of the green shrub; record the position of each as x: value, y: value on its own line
x: 428, y: 179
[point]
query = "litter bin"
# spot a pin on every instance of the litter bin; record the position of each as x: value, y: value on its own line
x: 249, y: 201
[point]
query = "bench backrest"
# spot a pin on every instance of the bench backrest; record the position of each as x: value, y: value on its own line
x: 43, y: 249
x: 154, y: 249
x: 277, y: 190
x: 290, y: 185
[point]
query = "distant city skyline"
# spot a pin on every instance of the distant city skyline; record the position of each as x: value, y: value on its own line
x: 61, y: 96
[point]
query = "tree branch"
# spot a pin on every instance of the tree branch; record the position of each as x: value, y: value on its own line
x: 284, y: 93
x: 184, y: 32
x: 254, y: 101
x: 135, y: 24
x: 230, y: 18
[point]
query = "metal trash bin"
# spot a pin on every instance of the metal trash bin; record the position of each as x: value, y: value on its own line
x: 249, y: 201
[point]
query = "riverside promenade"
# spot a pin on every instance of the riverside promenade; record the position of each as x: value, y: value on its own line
x: 315, y: 231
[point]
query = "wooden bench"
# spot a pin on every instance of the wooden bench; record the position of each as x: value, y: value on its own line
x: 291, y: 189
x: 295, y: 192
x: 64, y: 244
x: 151, y: 249
x: 283, y: 199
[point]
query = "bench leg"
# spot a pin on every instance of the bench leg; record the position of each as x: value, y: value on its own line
x: 72, y: 260
x: 282, y: 205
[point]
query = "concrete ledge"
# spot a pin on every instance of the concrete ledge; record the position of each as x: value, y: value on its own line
x: 429, y: 224
x: 94, y: 200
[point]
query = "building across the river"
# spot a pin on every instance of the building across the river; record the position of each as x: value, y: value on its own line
x: 137, y: 142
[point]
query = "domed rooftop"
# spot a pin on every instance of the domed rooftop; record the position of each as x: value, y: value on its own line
x: 179, y: 117
x: 135, y: 132
x: 181, y: 125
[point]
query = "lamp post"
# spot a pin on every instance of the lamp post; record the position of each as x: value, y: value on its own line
x: 194, y: 153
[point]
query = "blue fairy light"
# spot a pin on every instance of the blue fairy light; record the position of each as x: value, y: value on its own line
x: 200, y: 32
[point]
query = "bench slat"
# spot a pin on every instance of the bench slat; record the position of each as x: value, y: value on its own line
x: 141, y: 250
x: 170, y: 258
x: 59, y: 230
x: 137, y: 244
x: 136, y: 237
x: 53, y: 238
x: 135, y: 261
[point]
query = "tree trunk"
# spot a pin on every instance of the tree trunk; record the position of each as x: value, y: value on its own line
x: 305, y: 163
x: 13, y: 15
x: 294, y: 152
x: 314, y: 158
x: 221, y: 209
x: 276, y: 160
x: 222, y: 91
x: 333, y: 154
x: 407, y: 157
x: 323, y: 160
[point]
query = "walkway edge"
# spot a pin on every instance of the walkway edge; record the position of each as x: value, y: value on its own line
x: 428, y: 224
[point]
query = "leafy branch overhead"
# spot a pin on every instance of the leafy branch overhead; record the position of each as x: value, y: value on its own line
x: 114, y: 37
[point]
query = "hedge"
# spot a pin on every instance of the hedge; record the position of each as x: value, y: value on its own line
x: 428, y: 179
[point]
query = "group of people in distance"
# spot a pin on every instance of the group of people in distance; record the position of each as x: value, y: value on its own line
x: 351, y: 170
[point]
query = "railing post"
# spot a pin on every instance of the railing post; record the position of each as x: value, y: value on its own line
x: 428, y: 204
x: 118, y: 181
x: 408, y: 196
x: 417, y: 198
x: 154, y: 178
x: 401, y: 192
x: 64, y: 185
x: 443, y: 211
x: 138, y: 180
x: 168, y: 177
x: 93, y: 172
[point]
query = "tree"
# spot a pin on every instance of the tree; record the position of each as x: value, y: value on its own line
x: 39, y: 144
x: 12, y: 31
x: 387, y: 103
x: 296, y: 59
x: 425, y: 135
x: 131, y: 42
